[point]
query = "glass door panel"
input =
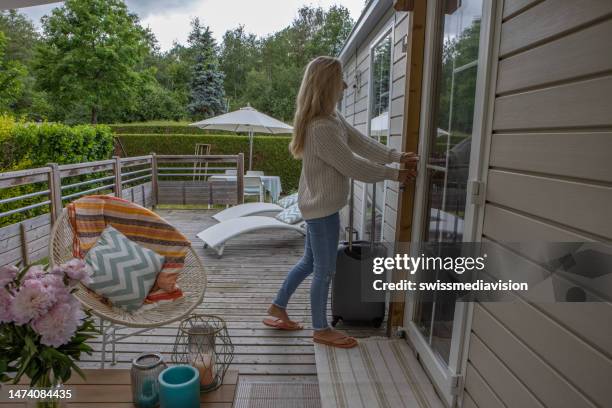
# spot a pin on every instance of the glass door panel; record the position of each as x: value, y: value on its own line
x: 449, y: 156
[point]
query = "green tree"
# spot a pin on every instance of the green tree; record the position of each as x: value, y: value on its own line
x: 90, y: 54
x: 21, y: 35
x: 21, y: 41
x: 239, y: 54
x: 12, y: 75
x: 207, y: 96
x: 267, y: 72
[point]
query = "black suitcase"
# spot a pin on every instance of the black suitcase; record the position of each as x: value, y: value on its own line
x: 353, y: 271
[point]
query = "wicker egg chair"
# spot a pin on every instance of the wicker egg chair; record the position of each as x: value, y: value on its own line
x: 191, y: 280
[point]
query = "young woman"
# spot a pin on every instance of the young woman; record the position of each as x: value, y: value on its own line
x: 328, y: 147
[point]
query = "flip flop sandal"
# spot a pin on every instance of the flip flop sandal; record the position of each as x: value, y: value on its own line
x: 337, y: 342
x: 282, y: 325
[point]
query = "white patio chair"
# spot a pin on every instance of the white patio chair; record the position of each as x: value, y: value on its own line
x: 253, y: 186
x: 191, y: 280
x: 243, y: 210
x: 216, y: 236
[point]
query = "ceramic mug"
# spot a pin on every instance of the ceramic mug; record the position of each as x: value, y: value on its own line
x: 179, y: 386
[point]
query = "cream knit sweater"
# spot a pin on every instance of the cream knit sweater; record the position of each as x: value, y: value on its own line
x: 329, y: 160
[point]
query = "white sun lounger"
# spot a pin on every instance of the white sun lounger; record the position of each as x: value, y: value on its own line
x: 243, y: 210
x: 217, y: 235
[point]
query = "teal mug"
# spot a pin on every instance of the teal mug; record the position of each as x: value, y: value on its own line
x: 179, y: 387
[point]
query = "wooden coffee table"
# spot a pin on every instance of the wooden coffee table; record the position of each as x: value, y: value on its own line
x: 111, y: 388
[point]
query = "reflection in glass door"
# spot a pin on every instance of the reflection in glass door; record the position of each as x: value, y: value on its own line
x: 454, y: 107
x: 379, y: 129
x: 449, y: 155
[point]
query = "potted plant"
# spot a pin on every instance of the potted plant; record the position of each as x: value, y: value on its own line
x: 43, y: 329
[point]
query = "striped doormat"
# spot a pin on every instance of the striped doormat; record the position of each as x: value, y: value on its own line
x: 277, y: 395
x: 380, y: 372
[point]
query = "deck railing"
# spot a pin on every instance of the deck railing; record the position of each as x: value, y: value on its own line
x: 31, y: 200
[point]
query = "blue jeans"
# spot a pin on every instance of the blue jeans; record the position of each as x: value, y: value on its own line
x: 319, y: 258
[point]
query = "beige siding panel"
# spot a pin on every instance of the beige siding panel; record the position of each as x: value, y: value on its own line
x: 361, y: 105
x: 393, y: 185
x: 549, y: 19
x: 573, y: 316
x: 388, y: 233
x: 361, y: 116
x: 397, y: 106
x: 391, y: 197
x: 398, y: 87
x: 401, y: 30
x: 396, y: 127
x: 399, y: 70
x: 588, y: 369
x: 584, y: 103
x: 400, y: 17
x: 363, y: 58
x: 398, y: 52
x: 514, y: 6
x: 579, y: 54
x: 468, y: 402
x: 390, y: 215
x: 548, y: 386
x: 506, y: 385
x: 481, y: 392
x: 350, y: 110
x: 395, y: 142
x: 582, y: 206
x: 580, y: 155
x: 507, y: 226
x: 503, y: 225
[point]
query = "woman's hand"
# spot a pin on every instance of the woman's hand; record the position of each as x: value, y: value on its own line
x: 406, y: 176
x: 409, y: 158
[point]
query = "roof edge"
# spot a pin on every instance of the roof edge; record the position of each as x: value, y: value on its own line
x: 370, y: 16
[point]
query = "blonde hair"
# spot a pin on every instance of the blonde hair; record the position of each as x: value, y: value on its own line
x: 318, y: 94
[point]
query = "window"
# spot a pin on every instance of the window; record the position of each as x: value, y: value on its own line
x: 380, y: 77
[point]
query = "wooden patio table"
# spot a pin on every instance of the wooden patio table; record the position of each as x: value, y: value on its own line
x: 111, y: 388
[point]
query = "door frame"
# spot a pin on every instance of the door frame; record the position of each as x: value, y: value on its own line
x: 448, y: 380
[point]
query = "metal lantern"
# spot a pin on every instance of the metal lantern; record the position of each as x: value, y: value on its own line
x: 203, y: 342
x: 145, y: 387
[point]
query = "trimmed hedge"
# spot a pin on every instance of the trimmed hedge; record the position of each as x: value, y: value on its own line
x: 30, y: 145
x: 270, y: 153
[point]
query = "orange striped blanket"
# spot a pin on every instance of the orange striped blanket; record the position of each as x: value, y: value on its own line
x: 90, y: 215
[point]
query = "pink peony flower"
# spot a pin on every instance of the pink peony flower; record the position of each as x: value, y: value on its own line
x: 59, y: 325
x: 7, y: 274
x: 35, y: 272
x: 5, y: 306
x: 77, y: 270
x: 32, y: 300
x: 54, y: 284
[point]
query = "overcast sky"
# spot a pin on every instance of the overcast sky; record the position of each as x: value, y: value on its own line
x: 169, y: 19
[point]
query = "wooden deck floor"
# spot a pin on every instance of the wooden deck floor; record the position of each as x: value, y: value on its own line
x: 240, y: 287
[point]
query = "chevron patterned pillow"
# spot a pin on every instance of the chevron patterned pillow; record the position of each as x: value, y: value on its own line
x: 290, y: 215
x: 123, y: 271
x: 288, y: 201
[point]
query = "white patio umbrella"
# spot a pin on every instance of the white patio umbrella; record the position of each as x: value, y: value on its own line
x: 245, y: 119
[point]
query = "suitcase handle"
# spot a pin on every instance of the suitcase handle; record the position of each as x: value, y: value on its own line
x: 351, y: 205
x: 351, y: 216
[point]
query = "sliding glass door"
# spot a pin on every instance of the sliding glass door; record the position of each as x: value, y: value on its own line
x: 436, y: 325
